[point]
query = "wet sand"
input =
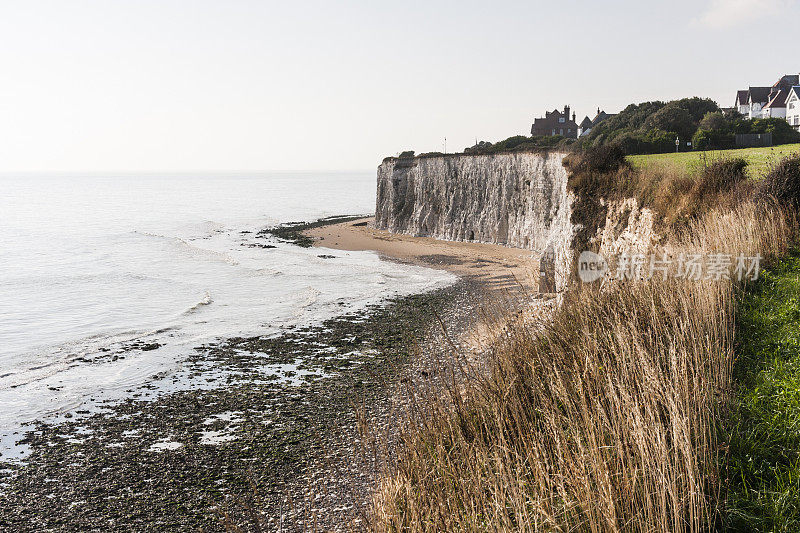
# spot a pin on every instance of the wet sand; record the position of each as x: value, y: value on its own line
x: 495, y: 267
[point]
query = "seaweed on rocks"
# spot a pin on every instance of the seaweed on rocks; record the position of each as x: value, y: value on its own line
x: 262, y: 410
x: 294, y: 232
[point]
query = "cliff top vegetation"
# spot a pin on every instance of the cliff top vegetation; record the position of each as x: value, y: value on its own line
x: 652, y: 127
x: 759, y: 160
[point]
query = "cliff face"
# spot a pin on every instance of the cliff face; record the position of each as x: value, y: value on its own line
x: 520, y: 200
x: 628, y: 229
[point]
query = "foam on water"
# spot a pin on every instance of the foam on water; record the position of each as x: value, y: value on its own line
x: 97, y: 270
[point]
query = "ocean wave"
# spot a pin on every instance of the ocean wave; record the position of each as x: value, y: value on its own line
x: 256, y: 272
x: 307, y: 298
x: 191, y: 248
x: 207, y: 300
x: 46, y: 361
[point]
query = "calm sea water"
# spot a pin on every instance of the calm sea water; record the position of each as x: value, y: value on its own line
x: 93, y: 263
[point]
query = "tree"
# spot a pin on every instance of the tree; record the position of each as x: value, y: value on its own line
x: 713, y: 120
x: 672, y: 118
x: 696, y: 107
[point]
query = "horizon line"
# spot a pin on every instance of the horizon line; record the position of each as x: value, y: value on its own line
x: 7, y: 173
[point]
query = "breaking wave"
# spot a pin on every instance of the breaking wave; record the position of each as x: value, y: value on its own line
x: 207, y: 300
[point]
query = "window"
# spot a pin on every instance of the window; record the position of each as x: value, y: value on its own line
x: 561, y: 120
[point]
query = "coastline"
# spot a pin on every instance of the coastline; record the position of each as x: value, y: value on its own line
x: 187, y: 458
x: 287, y: 446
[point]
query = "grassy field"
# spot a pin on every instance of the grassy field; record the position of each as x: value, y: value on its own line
x: 759, y: 159
x: 764, y: 468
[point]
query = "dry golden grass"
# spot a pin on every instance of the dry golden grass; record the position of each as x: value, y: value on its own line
x: 605, y: 420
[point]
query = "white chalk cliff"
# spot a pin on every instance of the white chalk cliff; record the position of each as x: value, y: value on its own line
x: 519, y: 200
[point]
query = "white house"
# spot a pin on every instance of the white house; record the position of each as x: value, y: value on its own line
x: 776, y: 107
x: 742, y: 104
x: 752, y: 101
x: 793, y: 107
x: 757, y: 98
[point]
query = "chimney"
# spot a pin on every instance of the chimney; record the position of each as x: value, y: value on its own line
x: 566, y: 112
x: 573, y: 116
x: 598, y: 110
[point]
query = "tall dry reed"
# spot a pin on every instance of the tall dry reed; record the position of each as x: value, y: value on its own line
x: 605, y: 420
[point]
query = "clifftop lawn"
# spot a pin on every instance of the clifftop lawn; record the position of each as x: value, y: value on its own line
x: 759, y: 160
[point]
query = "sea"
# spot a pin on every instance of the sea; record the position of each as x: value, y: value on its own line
x: 153, y: 266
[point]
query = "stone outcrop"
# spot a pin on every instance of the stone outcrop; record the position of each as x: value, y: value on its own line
x: 629, y: 229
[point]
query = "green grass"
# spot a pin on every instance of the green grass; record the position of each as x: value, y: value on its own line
x: 764, y: 435
x: 760, y: 160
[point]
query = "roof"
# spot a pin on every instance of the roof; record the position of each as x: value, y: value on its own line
x: 586, y: 123
x: 742, y: 96
x: 759, y: 94
x: 550, y: 121
x: 796, y: 90
x: 778, y: 100
x: 787, y: 81
x: 601, y: 116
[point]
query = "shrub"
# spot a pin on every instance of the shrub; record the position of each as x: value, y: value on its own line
x: 520, y: 143
x: 781, y: 131
x: 783, y: 182
x: 721, y: 175
x: 604, y: 159
x: 720, y: 139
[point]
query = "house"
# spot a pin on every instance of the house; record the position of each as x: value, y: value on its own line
x: 793, y: 107
x: 776, y: 107
x: 751, y: 102
x: 742, y: 102
x: 587, y: 124
x: 584, y: 126
x: 757, y: 98
x: 556, y: 123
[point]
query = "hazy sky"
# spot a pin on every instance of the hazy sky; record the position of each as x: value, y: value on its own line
x: 240, y: 85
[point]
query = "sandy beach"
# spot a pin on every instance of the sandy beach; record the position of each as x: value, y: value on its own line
x: 496, y: 268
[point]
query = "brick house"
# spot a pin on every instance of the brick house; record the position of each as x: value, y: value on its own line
x: 556, y: 123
